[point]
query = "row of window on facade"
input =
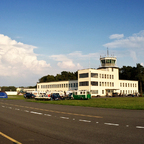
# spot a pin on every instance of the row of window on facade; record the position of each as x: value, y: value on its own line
x: 128, y: 85
x: 121, y: 91
x: 95, y: 83
x: 128, y: 91
x: 59, y: 85
x: 96, y: 75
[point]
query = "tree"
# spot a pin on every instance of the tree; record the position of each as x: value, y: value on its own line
x: 60, y: 77
x: 140, y: 76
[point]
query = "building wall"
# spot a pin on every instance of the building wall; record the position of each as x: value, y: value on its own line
x: 62, y: 86
x: 128, y: 87
x: 104, y: 81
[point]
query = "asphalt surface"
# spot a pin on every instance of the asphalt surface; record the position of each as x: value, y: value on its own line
x: 34, y: 123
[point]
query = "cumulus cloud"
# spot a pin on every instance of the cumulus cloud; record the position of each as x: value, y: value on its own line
x: 116, y: 36
x: 134, y: 41
x: 65, y: 63
x: 132, y: 45
x: 18, y: 59
x: 75, y: 60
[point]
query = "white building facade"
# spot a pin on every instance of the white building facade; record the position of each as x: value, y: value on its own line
x: 60, y: 86
x: 103, y: 81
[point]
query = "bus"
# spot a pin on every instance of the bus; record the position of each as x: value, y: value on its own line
x: 81, y: 94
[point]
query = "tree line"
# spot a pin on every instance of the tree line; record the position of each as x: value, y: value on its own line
x: 13, y: 88
x: 60, y: 77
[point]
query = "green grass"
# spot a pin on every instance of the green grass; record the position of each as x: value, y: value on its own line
x: 136, y: 103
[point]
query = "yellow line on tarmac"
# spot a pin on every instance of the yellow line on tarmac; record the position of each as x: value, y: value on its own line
x: 11, y: 139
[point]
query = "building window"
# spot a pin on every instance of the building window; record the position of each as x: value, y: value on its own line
x: 100, y: 75
x: 85, y: 83
x: 120, y: 84
x: 135, y: 85
x: 107, y: 83
x: 102, y: 91
x: 83, y: 75
x: 100, y: 83
x: 112, y: 76
x: 95, y: 75
x: 125, y: 84
x: 110, y: 84
x: 94, y: 92
x: 107, y: 76
x: 94, y: 83
x: 76, y: 84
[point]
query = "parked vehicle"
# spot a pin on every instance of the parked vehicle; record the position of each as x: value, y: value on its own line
x: 43, y: 96
x: 55, y: 96
x: 81, y: 94
x: 70, y: 96
x: 29, y: 95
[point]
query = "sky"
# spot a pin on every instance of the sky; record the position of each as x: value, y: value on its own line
x: 46, y: 37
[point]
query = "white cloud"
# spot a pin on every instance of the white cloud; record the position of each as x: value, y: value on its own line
x: 18, y: 60
x: 116, y: 36
x: 132, y: 46
x: 65, y: 63
x: 134, y: 41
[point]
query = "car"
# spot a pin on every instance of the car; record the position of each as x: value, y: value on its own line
x: 29, y: 95
x: 54, y: 96
x: 70, y: 96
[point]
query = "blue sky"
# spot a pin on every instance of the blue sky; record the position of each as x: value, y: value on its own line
x: 41, y: 37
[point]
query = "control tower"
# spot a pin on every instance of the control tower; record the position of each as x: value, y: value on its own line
x: 108, y: 62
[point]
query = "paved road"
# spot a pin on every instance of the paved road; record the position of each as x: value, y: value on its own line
x: 34, y: 123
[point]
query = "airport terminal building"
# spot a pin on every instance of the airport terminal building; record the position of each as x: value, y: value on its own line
x: 103, y: 81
